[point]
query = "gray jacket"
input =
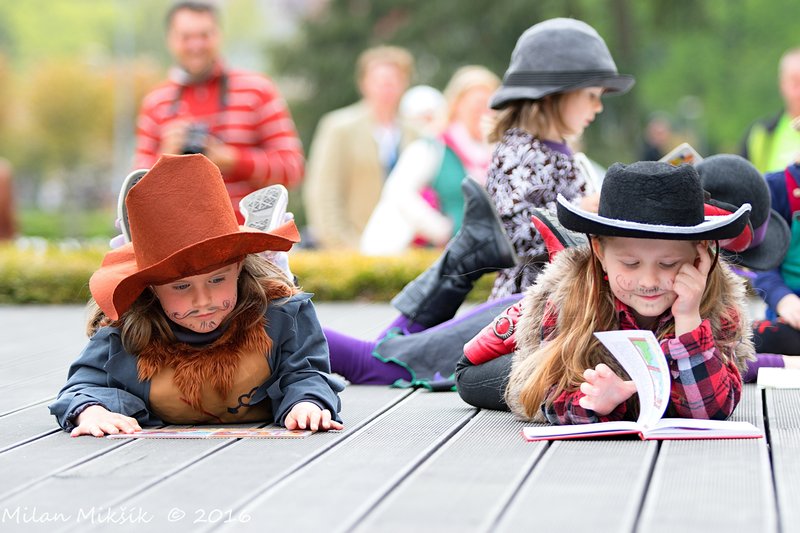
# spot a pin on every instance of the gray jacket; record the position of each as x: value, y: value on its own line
x: 106, y: 374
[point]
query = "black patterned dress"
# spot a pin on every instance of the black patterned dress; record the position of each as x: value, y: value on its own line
x: 527, y: 173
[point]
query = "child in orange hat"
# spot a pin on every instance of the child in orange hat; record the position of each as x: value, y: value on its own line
x: 191, y: 326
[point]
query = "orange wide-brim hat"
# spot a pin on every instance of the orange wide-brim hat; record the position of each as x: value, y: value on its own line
x: 181, y: 224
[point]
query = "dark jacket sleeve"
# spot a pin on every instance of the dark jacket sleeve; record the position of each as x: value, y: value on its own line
x: 299, y: 359
x: 90, y: 383
x: 769, y: 284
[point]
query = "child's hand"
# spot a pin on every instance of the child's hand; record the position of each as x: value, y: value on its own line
x: 604, y: 390
x: 307, y: 415
x: 98, y: 421
x: 689, y: 285
x: 789, y: 310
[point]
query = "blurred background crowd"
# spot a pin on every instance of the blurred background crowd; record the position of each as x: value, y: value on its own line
x: 74, y: 74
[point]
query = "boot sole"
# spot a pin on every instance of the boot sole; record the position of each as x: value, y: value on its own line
x: 122, y: 211
x: 264, y: 209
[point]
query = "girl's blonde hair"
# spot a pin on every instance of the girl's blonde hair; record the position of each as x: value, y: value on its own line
x: 588, y: 306
x: 259, y: 282
x: 533, y: 116
x: 464, y: 80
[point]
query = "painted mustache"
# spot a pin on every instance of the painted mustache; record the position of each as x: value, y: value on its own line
x: 652, y: 291
x: 183, y: 316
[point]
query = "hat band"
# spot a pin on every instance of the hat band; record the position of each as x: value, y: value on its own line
x: 555, y: 77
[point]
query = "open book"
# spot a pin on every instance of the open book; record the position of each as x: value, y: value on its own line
x: 640, y: 355
x: 214, y: 433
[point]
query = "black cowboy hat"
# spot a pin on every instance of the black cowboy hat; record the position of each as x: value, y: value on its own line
x: 652, y: 200
x: 732, y: 181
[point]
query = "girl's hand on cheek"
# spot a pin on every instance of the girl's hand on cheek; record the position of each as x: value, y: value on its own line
x: 604, y: 390
x: 688, y: 286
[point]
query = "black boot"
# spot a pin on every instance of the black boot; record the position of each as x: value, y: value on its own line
x: 480, y: 246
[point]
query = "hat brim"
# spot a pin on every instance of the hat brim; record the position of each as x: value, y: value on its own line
x: 712, y: 228
x: 772, y: 250
x: 119, y: 281
x: 616, y: 84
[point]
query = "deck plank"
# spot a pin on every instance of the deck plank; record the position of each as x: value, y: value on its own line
x: 783, y: 410
x: 26, y: 425
x: 465, y: 485
x: 592, y: 485
x: 718, y: 485
x: 348, y: 481
x: 198, y: 481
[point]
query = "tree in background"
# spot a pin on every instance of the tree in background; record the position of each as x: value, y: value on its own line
x: 712, y: 65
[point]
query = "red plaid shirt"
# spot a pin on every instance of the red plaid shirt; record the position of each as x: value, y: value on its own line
x: 253, y: 119
x: 702, y: 385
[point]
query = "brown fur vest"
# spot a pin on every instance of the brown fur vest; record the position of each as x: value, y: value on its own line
x: 213, y: 366
x: 562, y: 276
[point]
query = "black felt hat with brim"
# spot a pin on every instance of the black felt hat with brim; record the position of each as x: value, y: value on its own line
x: 732, y: 180
x: 652, y: 200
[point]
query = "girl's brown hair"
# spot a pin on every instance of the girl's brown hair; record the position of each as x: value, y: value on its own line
x: 259, y: 282
x: 572, y: 348
x: 533, y: 116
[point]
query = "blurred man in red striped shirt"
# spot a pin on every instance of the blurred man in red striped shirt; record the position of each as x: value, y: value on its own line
x: 238, y: 119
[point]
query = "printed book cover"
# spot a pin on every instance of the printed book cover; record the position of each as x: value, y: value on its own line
x: 683, y: 153
x: 214, y: 433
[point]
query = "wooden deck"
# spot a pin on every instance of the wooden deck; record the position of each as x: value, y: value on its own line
x: 407, y: 461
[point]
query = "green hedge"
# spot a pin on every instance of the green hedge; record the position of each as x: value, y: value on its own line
x: 35, y: 271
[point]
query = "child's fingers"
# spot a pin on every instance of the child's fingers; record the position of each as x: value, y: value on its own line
x: 328, y: 422
x: 588, y: 389
x: 290, y: 422
x: 603, y: 370
x: 590, y: 375
x: 704, y: 259
x: 586, y: 402
x: 313, y: 420
x: 325, y: 421
x: 109, y: 428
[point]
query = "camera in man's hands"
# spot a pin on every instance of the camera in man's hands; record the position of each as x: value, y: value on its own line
x: 196, y: 136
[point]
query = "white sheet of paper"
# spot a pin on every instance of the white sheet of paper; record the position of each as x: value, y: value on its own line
x: 778, y: 378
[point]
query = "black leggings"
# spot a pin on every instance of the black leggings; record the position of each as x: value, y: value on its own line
x: 484, y: 385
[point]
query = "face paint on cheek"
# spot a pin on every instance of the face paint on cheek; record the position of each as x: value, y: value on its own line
x: 623, y: 282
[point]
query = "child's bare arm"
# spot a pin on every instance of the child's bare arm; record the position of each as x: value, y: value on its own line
x: 98, y: 421
x: 604, y: 390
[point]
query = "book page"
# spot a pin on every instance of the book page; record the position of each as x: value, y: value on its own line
x: 695, y: 428
x: 598, y: 429
x: 640, y: 355
x: 778, y: 378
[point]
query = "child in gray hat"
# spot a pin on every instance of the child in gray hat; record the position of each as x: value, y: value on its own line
x: 551, y: 92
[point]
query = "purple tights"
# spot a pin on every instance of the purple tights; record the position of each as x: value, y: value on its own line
x: 353, y: 359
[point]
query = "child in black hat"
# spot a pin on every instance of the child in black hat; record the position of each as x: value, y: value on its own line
x: 650, y: 265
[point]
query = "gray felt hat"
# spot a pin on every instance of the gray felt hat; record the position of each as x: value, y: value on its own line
x: 559, y: 55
